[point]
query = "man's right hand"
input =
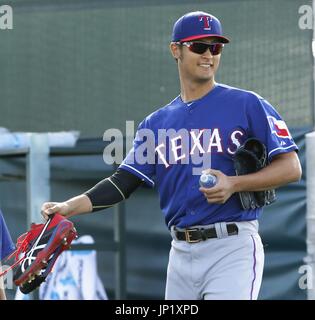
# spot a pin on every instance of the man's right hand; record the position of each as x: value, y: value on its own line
x: 74, y: 206
x: 49, y: 208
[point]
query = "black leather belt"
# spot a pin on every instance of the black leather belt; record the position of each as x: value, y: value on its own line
x: 193, y: 235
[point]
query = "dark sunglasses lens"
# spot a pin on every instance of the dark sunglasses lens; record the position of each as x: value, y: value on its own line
x: 216, y: 48
x: 198, y: 47
x: 201, y: 48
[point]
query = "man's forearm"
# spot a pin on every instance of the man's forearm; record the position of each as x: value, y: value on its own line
x: 79, y: 205
x: 104, y: 194
x: 282, y: 170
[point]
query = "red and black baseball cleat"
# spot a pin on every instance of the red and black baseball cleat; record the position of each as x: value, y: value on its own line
x: 40, y: 248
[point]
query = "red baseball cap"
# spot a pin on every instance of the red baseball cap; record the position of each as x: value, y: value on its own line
x: 196, y: 25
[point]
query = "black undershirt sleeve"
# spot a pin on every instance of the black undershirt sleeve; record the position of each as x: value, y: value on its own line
x: 113, y: 189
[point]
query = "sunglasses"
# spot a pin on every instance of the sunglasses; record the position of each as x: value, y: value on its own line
x: 201, y: 47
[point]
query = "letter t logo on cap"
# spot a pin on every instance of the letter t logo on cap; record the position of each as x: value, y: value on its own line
x: 206, y: 22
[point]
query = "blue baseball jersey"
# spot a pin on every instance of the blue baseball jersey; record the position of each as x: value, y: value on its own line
x: 175, y: 141
x: 6, y: 244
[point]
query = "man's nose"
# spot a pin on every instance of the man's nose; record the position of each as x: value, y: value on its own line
x: 207, y: 53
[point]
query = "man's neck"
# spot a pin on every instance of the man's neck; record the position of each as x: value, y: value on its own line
x: 191, y: 92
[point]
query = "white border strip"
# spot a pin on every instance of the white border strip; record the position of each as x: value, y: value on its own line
x: 126, y: 165
x: 281, y: 148
x: 121, y: 193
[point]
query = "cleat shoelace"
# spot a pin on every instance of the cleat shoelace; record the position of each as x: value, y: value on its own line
x: 22, y: 245
x: 37, y: 251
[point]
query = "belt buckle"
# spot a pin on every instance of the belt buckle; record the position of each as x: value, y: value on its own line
x: 187, y: 235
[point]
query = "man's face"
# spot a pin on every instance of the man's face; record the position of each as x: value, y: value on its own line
x: 197, y: 67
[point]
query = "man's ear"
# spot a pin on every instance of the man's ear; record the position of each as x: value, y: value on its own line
x: 175, y: 50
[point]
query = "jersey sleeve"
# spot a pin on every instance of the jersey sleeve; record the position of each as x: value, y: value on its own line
x: 267, y: 125
x: 6, y: 244
x: 140, y: 160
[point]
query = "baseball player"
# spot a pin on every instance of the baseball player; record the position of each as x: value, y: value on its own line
x: 216, y: 251
x: 6, y: 247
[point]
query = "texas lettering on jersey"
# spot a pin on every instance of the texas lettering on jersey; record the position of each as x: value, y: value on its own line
x: 194, y: 144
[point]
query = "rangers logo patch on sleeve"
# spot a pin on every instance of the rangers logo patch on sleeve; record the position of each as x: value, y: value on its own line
x: 279, y: 127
